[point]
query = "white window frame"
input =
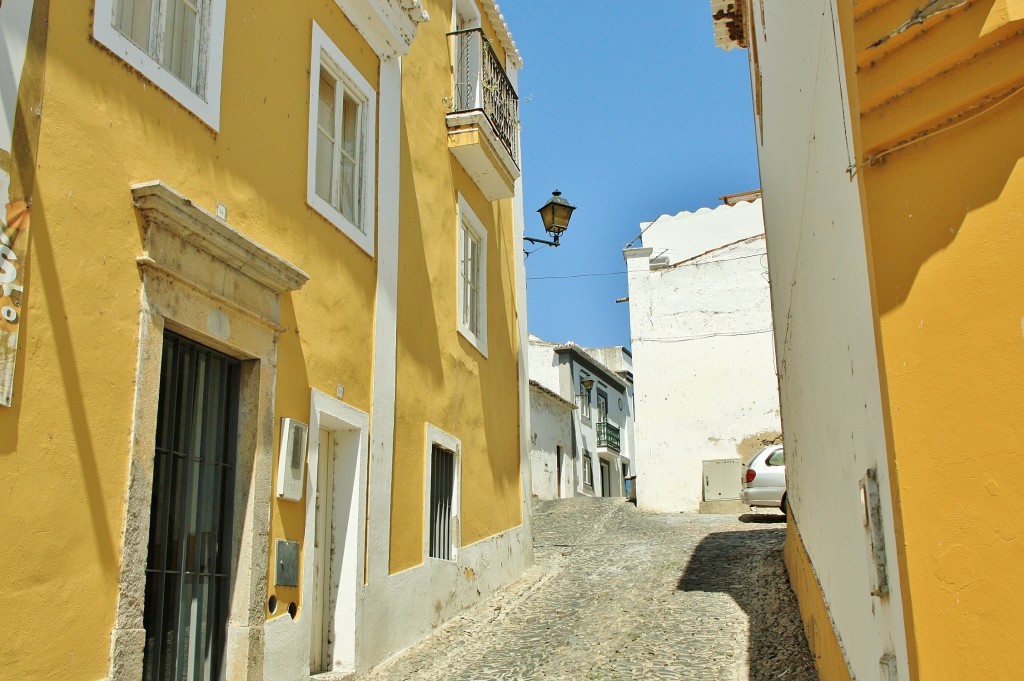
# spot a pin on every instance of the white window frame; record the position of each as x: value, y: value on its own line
x: 436, y: 436
x: 326, y: 55
x: 205, y: 104
x: 467, y: 220
x: 588, y: 468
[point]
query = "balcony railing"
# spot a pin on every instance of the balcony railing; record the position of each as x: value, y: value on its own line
x: 481, y: 84
x: 608, y: 436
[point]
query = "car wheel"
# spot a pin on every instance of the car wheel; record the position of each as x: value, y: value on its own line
x: 784, y: 505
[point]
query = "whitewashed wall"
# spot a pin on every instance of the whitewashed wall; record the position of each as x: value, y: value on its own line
x: 703, y: 356
x: 551, y: 422
x: 824, y: 331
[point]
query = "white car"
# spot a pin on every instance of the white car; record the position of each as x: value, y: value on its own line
x: 764, y: 479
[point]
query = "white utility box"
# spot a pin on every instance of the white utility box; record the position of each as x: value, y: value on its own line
x: 722, y: 479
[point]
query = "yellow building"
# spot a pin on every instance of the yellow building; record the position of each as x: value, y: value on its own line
x: 892, y: 162
x: 261, y: 356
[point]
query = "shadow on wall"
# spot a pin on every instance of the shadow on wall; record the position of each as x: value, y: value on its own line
x: 748, y: 566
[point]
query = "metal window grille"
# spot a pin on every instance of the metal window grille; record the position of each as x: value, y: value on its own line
x: 189, y: 563
x: 442, y: 493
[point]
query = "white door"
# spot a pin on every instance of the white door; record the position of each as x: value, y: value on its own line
x: 322, y: 634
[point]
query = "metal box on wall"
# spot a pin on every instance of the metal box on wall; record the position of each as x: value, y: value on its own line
x: 722, y: 479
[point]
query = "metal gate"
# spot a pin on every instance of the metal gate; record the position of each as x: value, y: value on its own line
x: 189, y: 563
x: 442, y: 489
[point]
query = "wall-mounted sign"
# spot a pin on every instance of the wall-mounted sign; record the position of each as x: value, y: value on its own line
x: 13, y: 261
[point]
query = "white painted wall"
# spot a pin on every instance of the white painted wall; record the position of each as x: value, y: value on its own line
x: 704, y: 368
x: 823, y: 319
x: 551, y: 423
x: 15, y: 18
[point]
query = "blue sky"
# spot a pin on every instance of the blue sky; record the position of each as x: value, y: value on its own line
x: 631, y: 111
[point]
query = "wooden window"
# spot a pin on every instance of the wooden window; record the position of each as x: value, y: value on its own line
x: 472, y: 275
x: 342, y: 123
x: 177, y: 45
x: 588, y: 469
x: 173, y: 32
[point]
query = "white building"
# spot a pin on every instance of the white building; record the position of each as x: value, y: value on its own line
x: 550, y: 443
x: 598, y: 456
x: 701, y: 328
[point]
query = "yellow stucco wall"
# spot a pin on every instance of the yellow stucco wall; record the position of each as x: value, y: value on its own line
x: 66, y: 440
x: 943, y: 109
x: 442, y: 379
x: 821, y: 636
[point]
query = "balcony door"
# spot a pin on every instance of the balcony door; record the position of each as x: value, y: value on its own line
x: 467, y: 67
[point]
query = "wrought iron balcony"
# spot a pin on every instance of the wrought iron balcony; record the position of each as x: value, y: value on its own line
x: 608, y: 436
x: 483, y: 116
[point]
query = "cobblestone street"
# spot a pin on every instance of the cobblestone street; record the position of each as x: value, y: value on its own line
x: 618, y: 593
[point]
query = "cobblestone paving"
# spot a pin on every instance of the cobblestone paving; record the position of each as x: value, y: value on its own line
x: 618, y: 593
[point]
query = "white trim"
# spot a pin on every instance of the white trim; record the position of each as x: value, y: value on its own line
x: 389, y: 26
x: 467, y: 218
x: 205, y: 105
x: 435, y: 435
x: 325, y: 54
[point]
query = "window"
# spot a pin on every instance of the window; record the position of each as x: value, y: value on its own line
x: 602, y: 406
x: 188, y: 569
x: 778, y: 458
x: 585, y: 398
x: 472, y: 263
x: 441, y: 527
x: 177, y: 44
x: 588, y: 469
x: 442, y: 488
x: 342, y: 116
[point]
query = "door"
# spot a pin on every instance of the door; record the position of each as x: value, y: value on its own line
x: 606, y: 479
x: 321, y: 634
x: 558, y: 471
x: 335, y: 536
x: 189, y: 565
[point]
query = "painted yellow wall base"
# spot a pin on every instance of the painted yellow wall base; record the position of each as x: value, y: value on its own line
x: 821, y: 636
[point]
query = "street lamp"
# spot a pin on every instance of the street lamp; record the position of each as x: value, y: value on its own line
x: 555, y: 214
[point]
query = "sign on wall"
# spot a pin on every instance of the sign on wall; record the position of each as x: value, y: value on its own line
x: 13, y: 259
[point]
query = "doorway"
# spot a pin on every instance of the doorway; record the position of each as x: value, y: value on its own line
x: 606, y: 479
x: 189, y: 566
x: 335, y: 576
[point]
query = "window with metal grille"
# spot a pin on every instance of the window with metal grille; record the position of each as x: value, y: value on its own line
x: 189, y: 563
x: 442, y: 497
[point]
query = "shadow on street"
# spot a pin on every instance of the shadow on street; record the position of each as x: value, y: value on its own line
x: 748, y: 566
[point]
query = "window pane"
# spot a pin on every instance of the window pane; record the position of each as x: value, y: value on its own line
x: 349, y: 196
x: 180, y: 55
x: 350, y: 183
x: 350, y: 125
x: 474, y: 285
x: 325, y: 140
x: 133, y: 19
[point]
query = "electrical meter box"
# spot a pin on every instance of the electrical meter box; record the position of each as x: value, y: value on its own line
x: 722, y: 479
x: 291, y: 465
